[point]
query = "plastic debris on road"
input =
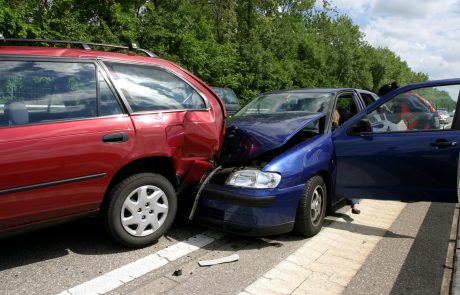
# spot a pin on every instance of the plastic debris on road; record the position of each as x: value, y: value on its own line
x: 226, y: 259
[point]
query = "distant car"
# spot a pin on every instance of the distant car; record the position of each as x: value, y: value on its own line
x: 230, y: 99
x: 443, y: 116
x: 283, y: 163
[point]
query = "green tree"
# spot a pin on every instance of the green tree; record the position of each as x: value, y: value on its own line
x: 251, y: 46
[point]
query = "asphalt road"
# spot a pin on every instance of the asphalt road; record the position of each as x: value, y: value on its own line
x: 412, y: 258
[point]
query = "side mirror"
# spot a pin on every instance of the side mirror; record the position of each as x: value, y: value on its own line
x: 362, y: 126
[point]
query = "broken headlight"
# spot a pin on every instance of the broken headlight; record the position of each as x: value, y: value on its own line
x: 253, y: 179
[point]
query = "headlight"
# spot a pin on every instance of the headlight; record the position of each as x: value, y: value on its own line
x: 253, y: 179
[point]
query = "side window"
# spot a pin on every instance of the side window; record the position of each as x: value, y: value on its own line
x: 108, y: 102
x: 419, y: 109
x: 149, y: 88
x: 367, y: 98
x: 32, y: 92
x: 345, y: 108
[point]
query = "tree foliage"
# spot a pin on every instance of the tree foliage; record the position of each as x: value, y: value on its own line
x: 251, y: 46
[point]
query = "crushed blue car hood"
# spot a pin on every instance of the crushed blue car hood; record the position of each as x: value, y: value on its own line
x: 250, y: 136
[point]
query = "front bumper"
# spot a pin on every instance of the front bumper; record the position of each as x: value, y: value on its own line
x: 250, y: 212
x: 238, y: 199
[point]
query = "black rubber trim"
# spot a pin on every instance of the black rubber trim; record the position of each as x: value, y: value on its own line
x: 238, y: 199
x: 51, y: 183
x: 244, y: 230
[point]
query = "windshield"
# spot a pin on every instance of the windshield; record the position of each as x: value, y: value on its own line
x: 281, y: 102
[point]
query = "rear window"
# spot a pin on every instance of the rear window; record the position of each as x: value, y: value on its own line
x: 150, y: 88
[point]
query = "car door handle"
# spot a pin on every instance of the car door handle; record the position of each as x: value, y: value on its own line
x: 115, y: 137
x: 442, y: 143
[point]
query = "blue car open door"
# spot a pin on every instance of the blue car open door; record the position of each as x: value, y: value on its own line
x: 396, y: 149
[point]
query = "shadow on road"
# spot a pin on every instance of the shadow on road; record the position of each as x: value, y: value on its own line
x: 85, y: 237
x: 367, y: 230
x: 423, y: 269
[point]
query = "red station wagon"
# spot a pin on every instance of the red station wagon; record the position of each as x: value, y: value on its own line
x: 85, y: 132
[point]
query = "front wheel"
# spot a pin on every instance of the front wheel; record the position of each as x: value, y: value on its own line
x: 140, y: 209
x: 312, y: 207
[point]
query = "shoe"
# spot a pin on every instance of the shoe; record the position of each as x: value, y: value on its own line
x: 355, y: 211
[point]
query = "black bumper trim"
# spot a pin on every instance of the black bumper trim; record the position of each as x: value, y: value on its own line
x: 246, y: 231
x: 238, y: 199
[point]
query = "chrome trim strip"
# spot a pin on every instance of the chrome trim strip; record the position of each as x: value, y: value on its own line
x: 51, y: 183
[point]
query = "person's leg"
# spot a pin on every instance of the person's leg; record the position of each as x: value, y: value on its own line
x: 354, y: 207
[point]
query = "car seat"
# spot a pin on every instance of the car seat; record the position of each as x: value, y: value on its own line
x: 16, y: 112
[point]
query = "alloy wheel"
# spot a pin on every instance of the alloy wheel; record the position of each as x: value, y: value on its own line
x: 316, y: 205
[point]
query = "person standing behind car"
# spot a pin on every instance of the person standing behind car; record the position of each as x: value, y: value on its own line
x: 387, y: 88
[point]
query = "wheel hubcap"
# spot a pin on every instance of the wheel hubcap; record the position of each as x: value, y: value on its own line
x: 144, y: 210
x: 316, y: 206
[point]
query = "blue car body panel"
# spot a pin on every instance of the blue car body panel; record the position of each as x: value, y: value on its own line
x: 397, y: 166
x: 303, y: 161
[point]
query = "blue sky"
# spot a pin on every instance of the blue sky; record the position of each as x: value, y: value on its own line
x: 424, y: 33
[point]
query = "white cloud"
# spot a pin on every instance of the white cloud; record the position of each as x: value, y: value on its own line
x: 406, y: 8
x: 426, y: 34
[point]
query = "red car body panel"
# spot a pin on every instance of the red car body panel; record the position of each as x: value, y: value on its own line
x: 36, y: 156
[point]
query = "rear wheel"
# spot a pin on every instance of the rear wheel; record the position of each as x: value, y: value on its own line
x: 312, y: 207
x: 140, y: 209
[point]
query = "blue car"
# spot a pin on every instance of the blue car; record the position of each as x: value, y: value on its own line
x: 288, y: 156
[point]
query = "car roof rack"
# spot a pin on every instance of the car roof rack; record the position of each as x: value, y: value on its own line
x: 84, y: 45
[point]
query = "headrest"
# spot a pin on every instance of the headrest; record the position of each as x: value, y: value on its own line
x: 16, y: 112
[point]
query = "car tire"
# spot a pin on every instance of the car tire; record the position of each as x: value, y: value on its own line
x: 312, y: 207
x: 140, y: 209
